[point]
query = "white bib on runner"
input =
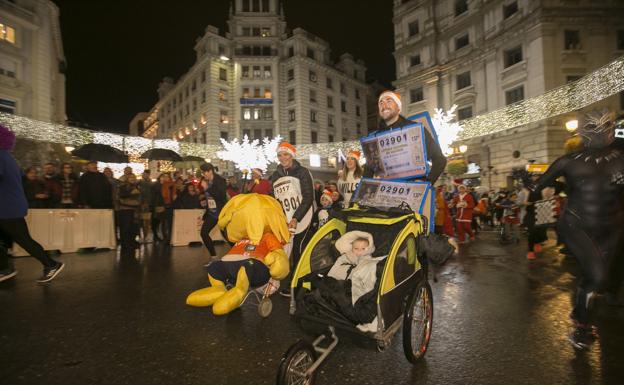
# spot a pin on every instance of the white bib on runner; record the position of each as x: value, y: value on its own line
x: 287, y: 190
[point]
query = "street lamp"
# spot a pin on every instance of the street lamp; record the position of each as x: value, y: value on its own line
x: 69, y: 149
x: 224, y: 58
x: 571, y: 125
x: 463, y: 148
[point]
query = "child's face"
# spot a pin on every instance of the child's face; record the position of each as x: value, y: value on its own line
x: 358, y: 248
x: 326, y: 201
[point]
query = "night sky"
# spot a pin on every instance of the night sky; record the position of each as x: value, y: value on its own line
x: 117, y: 51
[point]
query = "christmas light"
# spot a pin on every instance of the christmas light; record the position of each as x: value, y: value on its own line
x: 446, y: 128
x: 247, y: 155
x: 594, y: 87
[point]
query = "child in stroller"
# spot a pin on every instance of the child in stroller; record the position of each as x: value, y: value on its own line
x: 349, y: 286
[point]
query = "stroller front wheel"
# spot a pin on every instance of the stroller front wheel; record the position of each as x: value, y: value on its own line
x: 418, y: 323
x: 265, y: 307
x: 295, y: 364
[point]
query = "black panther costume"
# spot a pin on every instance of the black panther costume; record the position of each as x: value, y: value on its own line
x: 594, y: 215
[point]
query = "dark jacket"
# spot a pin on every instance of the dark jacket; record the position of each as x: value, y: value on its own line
x: 31, y: 189
x: 12, y: 199
x: 307, y: 186
x: 218, y: 191
x: 95, y: 190
x: 55, y: 189
x: 434, y: 152
x: 187, y: 201
x: 129, y: 196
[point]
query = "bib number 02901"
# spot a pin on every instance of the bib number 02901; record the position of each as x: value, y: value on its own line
x: 394, y: 190
x: 393, y: 140
x: 290, y: 204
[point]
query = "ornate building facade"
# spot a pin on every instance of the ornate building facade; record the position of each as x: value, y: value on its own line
x: 483, y: 55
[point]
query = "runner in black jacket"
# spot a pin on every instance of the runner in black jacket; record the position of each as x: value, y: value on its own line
x: 296, y: 197
x: 390, y: 113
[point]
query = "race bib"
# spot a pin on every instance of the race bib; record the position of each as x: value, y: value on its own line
x: 287, y: 190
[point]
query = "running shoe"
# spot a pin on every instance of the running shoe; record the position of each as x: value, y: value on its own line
x: 50, y: 274
x: 7, y: 273
x: 582, y: 337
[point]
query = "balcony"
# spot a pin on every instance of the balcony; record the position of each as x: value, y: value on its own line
x: 255, y: 101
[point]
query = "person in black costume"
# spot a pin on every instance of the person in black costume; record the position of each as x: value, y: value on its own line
x: 593, y: 216
x: 390, y: 113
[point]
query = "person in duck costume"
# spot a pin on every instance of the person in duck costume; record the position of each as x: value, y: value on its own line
x: 257, y: 226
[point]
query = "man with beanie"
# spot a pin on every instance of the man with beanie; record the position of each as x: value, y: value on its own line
x: 13, y: 209
x: 390, y: 112
x: 294, y: 189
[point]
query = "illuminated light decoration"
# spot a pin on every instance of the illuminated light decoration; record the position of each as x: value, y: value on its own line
x: 187, y: 131
x: 247, y: 155
x: 315, y: 160
x: 571, y: 125
x: 69, y: 149
x: 446, y: 128
x: 473, y: 168
x: 594, y: 87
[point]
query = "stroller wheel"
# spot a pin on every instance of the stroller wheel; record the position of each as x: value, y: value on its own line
x: 265, y: 307
x: 418, y: 323
x: 295, y: 363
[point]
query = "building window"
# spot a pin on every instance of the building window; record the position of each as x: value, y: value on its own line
x: 204, y: 141
x: 268, y: 94
x: 194, y: 104
x: 291, y: 115
x: 291, y: 95
x: 265, y: 6
x: 357, y: 93
x: 291, y: 74
x: 224, y: 117
x: 265, y: 32
x: 330, y: 138
x: 256, y: 72
x: 267, y: 72
x: 463, y: 80
x: 268, y: 133
x: 268, y: 113
x: 416, y: 95
x: 7, y: 33
x: 330, y: 121
x: 461, y: 6
x: 310, y: 53
x: 222, y: 74
x: 258, y: 134
x: 222, y: 95
x: 510, y: 9
x: 343, y: 106
x: 413, y: 28
x: 8, y: 68
x: 572, y: 39
x: 514, y: 95
x: 312, y: 76
x: 343, y: 88
x: 246, y: 113
x: 462, y: 41
x: 245, y: 93
x: 255, y: 5
x: 313, y: 116
x: 620, y: 40
x: 8, y: 106
x: 513, y: 56
x: 357, y: 110
x: 414, y: 60
x: 256, y: 92
x: 314, y: 137
x: 292, y: 137
x: 464, y: 113
x: 223, y: 135
x: 203, y: 76
x: 330, y: 102
x: 291, y: 51
x: 312, y: 96
x: 245, y: 72
x: 246, y: 7
x: 247, y: 133
x: 329, y: 83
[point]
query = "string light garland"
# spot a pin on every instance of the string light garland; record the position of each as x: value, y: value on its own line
x: 594, y: 87
x: 247, y: 155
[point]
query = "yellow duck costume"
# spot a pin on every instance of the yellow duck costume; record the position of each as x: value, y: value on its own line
x: 257, y: 225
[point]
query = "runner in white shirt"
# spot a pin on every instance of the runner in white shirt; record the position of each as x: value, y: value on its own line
x: 350, y: 176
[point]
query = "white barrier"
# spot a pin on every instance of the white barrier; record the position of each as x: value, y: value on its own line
x: 68, y: 230
x: 187, y: 224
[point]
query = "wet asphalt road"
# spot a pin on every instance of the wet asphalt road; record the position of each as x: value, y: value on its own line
x: 111, y: 319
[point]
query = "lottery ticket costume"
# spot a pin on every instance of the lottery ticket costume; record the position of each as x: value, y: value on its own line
x: 257, y: 226
x: 594, y: 214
